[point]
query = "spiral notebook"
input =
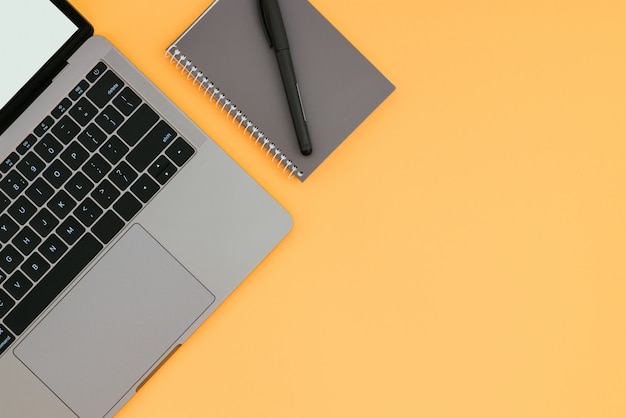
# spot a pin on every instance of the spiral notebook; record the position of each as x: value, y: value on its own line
x: 226, y: 55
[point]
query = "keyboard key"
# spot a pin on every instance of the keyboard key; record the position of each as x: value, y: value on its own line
x: 17, y: 285
x: 26, y: 241
x: 151, y: 146
x: 9, y: 162
x: 105, y: 89
x: 13, y: 184
x: 109, y: 119
x: 44, y: 126
x: 92, y: 137
x: 127, y: 206
x: 96, y: 168
x: 105, y: 194
x: 65, y: 129
x: 79, y: 90
x: 35, y: 267
x: 144, y: 188
x: 127, y: 101
x: 108, y: 226
x: 114, y: 150
x: 83, y: 111
x: 44, y: 222
x: 52, y: 248
x: 74, y: 155
x: 6, y: 338
x: 8, y: 228
x: 78, y: 186
x: 137, y: 125
x: 61, y: 108
x: 26, y: 144
x: 57, y: 173
x: 4, y: 201
x: 39, y: 192
x: 70, y: 230
x: 6, y: 303
x: 53, y: 283
x: 123, y: 176
x: 48, y: 148
x: 87, y: 212
x: 31, y: 165
x: 22, y: 210
x: 96, y: 72
x: 61, y: 204
x: 162, y: 170
x: 161, y: 163
x: 10, y: 259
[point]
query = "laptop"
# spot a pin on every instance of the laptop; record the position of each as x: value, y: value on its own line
x: 122, y: 225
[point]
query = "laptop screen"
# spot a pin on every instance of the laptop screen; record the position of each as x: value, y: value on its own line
x: 34, y: 30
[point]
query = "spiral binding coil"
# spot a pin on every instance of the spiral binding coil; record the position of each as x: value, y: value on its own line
x: 213, y: 92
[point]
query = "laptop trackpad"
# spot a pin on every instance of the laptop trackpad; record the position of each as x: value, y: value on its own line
x: 119, y: 320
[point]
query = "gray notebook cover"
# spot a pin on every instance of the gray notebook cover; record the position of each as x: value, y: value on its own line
x: 227, y: 52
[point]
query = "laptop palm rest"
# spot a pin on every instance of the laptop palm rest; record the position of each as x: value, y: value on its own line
x: 118, y: 322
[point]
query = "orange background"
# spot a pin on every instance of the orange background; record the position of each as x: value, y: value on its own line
x: 460, y: 255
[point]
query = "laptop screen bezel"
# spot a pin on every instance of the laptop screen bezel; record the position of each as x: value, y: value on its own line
x: 42, y: 78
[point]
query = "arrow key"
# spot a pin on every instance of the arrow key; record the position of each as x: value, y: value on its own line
x: 144, y: 188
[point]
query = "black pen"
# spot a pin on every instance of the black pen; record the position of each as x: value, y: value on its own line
x: 275, y: 29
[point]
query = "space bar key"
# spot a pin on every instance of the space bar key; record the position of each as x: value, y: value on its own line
x: 52, y: 284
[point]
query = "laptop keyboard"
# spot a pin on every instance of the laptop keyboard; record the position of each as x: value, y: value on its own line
x: 69, y: 187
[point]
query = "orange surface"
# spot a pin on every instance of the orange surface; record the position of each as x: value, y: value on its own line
x: 460, y: 255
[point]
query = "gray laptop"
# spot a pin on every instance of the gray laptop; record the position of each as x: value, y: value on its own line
x: 122, y: 225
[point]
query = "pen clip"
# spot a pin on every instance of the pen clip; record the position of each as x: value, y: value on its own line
x: 266, y: 29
